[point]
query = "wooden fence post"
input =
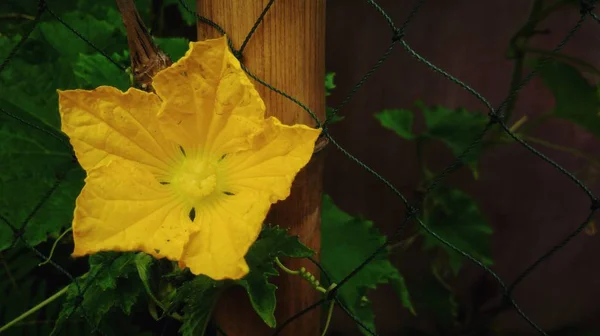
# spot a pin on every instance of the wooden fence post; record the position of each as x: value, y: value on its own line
x: 287, y: 51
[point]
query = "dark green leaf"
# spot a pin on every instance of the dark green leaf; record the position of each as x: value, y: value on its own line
x: 142, y: 264
x: 346, y: 243
x: 101, y: 33
x: 198, y: 297
x: 111, y: 283
x: 188, y: 18
x: 30, y: 162
x: 329, y: 84
x: 431, y: 297
x: 273, y: 242
x: 455, y: 216
x: 456, y: 128
x: 332, y: 116
x: 93, y: 70
x: 399, y: 121
x: 174, y: 47
x: 28, y: 89
x: 576, y: 99
x: 22, y: 287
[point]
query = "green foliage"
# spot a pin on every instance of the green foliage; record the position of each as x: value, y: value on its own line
x: 273, y: 242
x: 576, y: 99
x: 330, y: 114
x: 432, y: 296
x: 455, y: 216
x: 188, y: 18
x: 95, y: 70
x: 174, y: 47
x: 53, y: 58
x: 399, y: 121
x: 30, y: 160
x: 455, y: 128
x: 23, y: 286
x: 111, y: 283
x: 29, y: 165
x: 106, y: 34
x: 198, y: 297
x: 348, y: 241
x: 329, y: 84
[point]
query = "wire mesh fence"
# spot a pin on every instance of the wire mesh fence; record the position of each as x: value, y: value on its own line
x: 496, y: 120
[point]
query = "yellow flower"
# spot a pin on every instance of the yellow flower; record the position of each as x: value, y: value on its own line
x: 186, y: 174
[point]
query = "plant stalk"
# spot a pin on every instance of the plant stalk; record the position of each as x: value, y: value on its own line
x: 34, y: 309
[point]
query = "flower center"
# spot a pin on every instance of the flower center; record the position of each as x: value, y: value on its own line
x: 194, y: 180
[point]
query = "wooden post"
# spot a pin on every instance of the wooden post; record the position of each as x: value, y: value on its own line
x: 287, y: 51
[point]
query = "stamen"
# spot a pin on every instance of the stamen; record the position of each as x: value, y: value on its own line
x: 192, y: 214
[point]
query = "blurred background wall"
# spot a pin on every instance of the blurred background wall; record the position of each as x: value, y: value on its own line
x: 530, y: 206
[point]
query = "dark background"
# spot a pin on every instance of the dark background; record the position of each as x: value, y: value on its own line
x: 530, y: 206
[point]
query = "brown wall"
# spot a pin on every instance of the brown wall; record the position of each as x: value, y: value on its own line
x: 529, y: 204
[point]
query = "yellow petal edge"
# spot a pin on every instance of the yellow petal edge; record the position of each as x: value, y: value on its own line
x: 187, y: 173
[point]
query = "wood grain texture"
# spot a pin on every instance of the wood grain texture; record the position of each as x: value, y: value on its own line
x: 286, y: 51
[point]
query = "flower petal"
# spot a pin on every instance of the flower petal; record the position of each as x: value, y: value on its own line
x: 277, y: 155
x: 208, y: 100
x: 106, y: 122
x: 228, y: 228
x: 122, y: 207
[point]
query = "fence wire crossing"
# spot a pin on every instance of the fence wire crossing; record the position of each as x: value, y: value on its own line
x: 496, y: 119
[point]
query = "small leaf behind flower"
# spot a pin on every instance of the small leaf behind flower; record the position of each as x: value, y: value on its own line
x: 273, y: 242
x: 346, y: 243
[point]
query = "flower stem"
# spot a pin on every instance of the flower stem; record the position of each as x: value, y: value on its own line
x: 329, y: 315
x: 54, y: 247
x: 573, y: 151
x: 34, y: 309
x: 588, y: 67
x: 309, y: 277
x: 306, y: 275
x: 285, y: 269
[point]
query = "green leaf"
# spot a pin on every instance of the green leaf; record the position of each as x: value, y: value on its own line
x: 397, y: 120
x: 188, y: 18
x: 30, y: 162
x: 456, y: 128
x: 332, y: 116
x: 576, y: 99
x: 346, y: 243
x: 110, y: 284
x: 198, y: 296
x: 329, y: 84
x: 273, y: 242
x: 45, y: 63
x: 28, y: 89
x: 174, y: 47
x: 430, y: 296
x: 93, y: 70
x: 103, y: 34
x: 455, y: 216
x: 142, y: 264
x: 23, y: 285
